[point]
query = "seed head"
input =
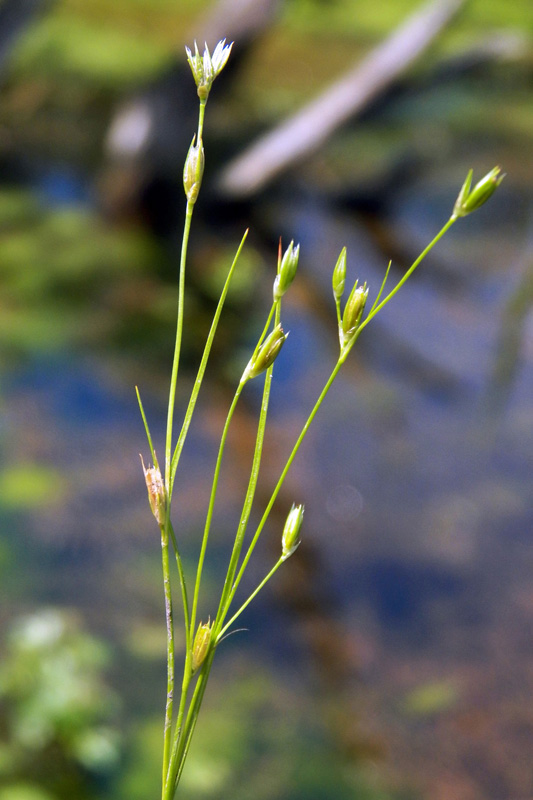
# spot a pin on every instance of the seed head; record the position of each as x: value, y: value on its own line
x: 468, y: 201
x: 157, y: 496
x: 268, y: 352
x: 201, y: 644
x: 291, y: 532
x: 339, y: 275
x: 287, y: 270
x: 353, y: 311
x: 193, y: 171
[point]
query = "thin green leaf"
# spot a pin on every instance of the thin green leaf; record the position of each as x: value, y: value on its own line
x: 201, y: 369
x: 381, y: 288
x: 147, y: 429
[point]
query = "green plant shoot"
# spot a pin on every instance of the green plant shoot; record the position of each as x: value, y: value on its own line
x: 201, y: 639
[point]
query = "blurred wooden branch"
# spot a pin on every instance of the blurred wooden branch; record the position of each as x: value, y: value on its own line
x: 306, y: 130
x: 234, y: 20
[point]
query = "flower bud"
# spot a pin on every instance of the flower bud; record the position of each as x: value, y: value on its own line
x: 206, y: 68
x: 353, y: 311
x: 193, y: 171
x: 339, y: 275
x: 287, y: 271
x: 267, y: 354
x: 291, y: 532
x: 201, y: 644
x: 468, y: 201
x: 157, y: 496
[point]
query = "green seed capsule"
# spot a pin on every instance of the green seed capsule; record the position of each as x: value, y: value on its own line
x: 339, y: 275
x: 468, y: 201
x: 291, y: 532
x: 353, y: 311
x: 287, y: 271
x: 200, y: 646
x: 268, y: 352
x: 193, y: 171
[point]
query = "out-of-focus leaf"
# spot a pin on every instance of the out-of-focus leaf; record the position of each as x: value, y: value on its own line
x: 432, y: 698
x: 24, y: 791
x: 28, y: 486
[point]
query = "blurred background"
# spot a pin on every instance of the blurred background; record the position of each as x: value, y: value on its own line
x: 392, y: 658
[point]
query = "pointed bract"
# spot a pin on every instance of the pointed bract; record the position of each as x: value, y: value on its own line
x: 465, y: 190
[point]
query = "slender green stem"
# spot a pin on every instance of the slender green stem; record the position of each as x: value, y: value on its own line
x: 167, y: 753
x: 312, y: 415
x: 247, y: 602
x: 254, y: 474
x: 211, y: 506
x: 201, y: 117
x: 189, y: 633
x: 167, y: 527
x: 265, y: 329
x: 338, y: 309
x: 182, y: 749
x: 177, y: 346
x: 278, y: 486
x: 376, y: 308
x: 250, y: 493
x: 170, y: 775
x: 179, y: 323
x: 408, y: 274
x: 201, y: 369
x: 183, y: 585
x: 167, y: 735
x: 183, y: 732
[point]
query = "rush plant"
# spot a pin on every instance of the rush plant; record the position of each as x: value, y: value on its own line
x: 185, y: 693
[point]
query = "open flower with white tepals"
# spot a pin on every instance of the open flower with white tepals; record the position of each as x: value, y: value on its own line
x: 205, y: 68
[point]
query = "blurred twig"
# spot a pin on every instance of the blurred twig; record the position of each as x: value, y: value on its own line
x: 238, y: 20
x: 302, y: 133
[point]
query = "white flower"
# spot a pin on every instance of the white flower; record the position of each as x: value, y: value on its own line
x: 220, y: 55
x: 205, y: 68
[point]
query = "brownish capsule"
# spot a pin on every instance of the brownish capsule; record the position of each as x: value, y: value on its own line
x: 157, y: 496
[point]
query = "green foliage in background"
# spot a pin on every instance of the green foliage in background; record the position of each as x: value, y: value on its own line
x: 57, y: 715
x: 274, y: 747
x: 67, y: 278
x: 24, y: 486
